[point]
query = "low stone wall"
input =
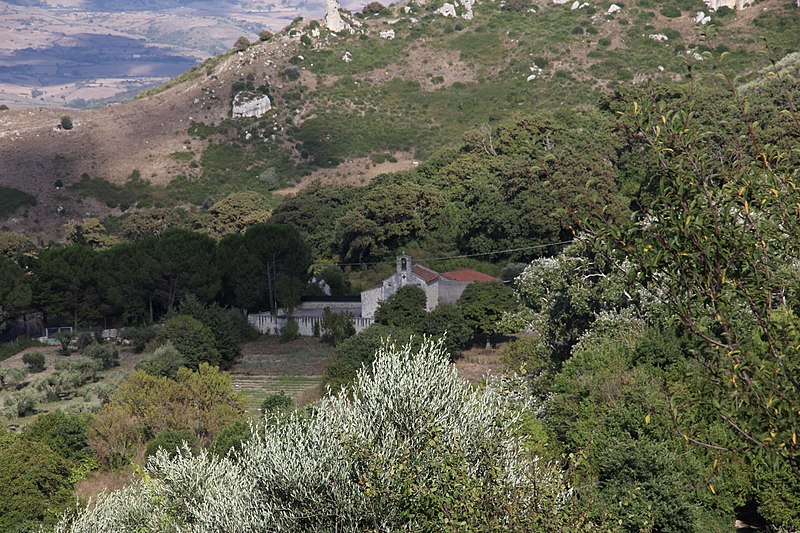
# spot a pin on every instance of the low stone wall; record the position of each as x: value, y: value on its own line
x: 273, y: 324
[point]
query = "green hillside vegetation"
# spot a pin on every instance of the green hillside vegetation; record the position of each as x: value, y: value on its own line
x: 440, y: 77
x: 11, y: 200
x: 646, y: 234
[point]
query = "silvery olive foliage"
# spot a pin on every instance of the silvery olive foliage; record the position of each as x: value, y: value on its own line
x: 410, y: 446
x: 561, y: 297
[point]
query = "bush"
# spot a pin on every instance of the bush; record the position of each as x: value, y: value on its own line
x: 192, y: 339
x: 241, y: 44
x: 290, y: 331
x: 106, y: 354
x: 85, y: 339
x: 64, y: 433
x: 34, y: 487
x: 404, y: 309
x: 359, y: 351
x: 164, y: 361
x: 139, y: 336
x: 670, y: 12
x: 22, y: 403
x: 34, y: 360
x: 336, y: 327
x: 385, y: 461
x: 12, y: 377
x: 171, y: 441
x: 13, y: 199
x: 265, y: 35
x: 291, y: 73
x: 373, y: 8
x: 230, y: 438
x: 66, y: 122
x: 64, y: 338
x: 277, y: 403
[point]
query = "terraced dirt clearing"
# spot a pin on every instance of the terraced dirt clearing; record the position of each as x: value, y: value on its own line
x: 268, y: 366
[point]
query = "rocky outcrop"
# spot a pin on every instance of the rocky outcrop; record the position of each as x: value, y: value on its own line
x: 449, y: 9
x: 713, y: 5
x: 333, y: 18
x: 247, y: 104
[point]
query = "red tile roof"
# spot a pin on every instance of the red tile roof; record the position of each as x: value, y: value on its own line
x: 468, y: 275
x: 425, y: 274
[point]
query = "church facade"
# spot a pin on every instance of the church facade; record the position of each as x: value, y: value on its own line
x: 439, y: 288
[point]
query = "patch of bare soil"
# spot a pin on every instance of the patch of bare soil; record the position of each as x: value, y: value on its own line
x: 357, y: 172
x: 268, y: 356
x: 101, y: 481
x: 478, y: 363
x: 433, y: 68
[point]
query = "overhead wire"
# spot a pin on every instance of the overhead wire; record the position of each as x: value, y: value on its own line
x: 463, y: 256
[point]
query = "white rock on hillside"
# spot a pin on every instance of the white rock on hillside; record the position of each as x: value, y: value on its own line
x: 347, y: 57
x: 447, y: 10
x: 701, y: 18
x: 659, y: 37
x: 333, y: 19
x: 713, y: 5
x: 613, y: 8
x: 247, y: 104
x: 468, y: 4
x: 387, y: 34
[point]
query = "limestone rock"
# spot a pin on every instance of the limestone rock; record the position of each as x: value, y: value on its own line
x: 387, y: 34
x: 333, y: 19
x: 713, y: 5
x: 468, y: 5
x: 347, y: 57
x: 701, y: 18
x: 658, y: 37
x: 447, y: 10
x: 247, y: 104
x: 613, y: 8
x: 560, y: 2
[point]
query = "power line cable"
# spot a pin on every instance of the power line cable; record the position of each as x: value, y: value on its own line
x: 464, y: 256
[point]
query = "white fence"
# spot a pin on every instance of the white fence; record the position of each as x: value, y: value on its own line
x: 273, y: 324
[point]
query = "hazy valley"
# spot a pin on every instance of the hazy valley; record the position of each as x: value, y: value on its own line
x: 78, y: 53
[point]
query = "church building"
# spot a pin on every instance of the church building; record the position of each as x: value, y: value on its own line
x: 440, y: 288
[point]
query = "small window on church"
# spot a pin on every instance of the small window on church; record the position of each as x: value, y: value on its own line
x: 403, y: 264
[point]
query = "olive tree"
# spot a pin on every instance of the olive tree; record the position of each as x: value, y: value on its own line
x: 411, y: 446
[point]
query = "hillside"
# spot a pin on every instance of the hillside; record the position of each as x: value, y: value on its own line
x: 78, y: 54
x: 348, y: 106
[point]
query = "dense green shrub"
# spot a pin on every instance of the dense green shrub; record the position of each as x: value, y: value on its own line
x: 336, y: 327
x: 66, y: 122
x: 107, y: 354
x: 64, y: 433
x: 13, y: 199
x: 139, y: 337
x: 232, y: 437
x: 192, y: 339
x: 277, y: 403
x: 34, y: 486
x: 171, y: 441
x: 164, y: 361
x: 34, y: 360
x: 359, y: 351
x: 404, y: 309
x: 290, y: 331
